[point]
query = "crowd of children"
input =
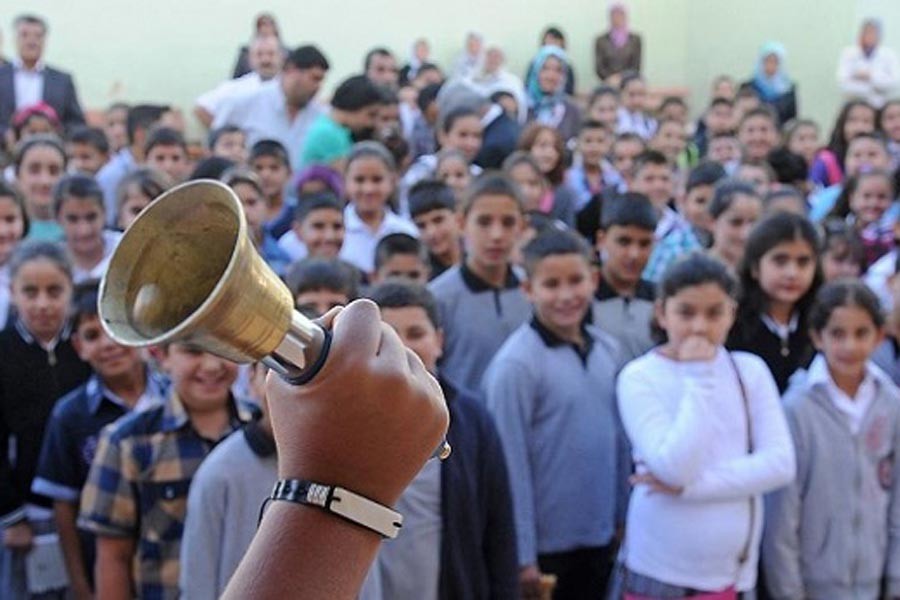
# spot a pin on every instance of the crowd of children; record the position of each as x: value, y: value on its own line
x: 670, y: 350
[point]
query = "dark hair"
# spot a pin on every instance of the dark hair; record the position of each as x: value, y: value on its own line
x: 448, y: 120
x: 726, y: 192
x: 672, y: 101
x: 32, y: 250
x: 270, y: 149
x: 85, y: 299
x: 851, y: 184
x: 838, y: 142
x: 843, y: 243
x: 399, y: 293
x: 600, y: 91
x: 371, y: 149
x: 759, y: 164
x: 629, y: 77
x: 30, y: 19
x: 746, y: 90
x: 784, y: 191
x: 764, y: 111
x: 8, y: 190
x: 720, y: 101
x: 379, y: 51
x: 844, y: 293
x: 706, y: 172
x: 775, y: 229
x: 650, y: 157
x: 491, y: 183
x: 499, y: 95
x: 692, y: 270
x: 529, y: 137
x: 631, y: 209
x: 35, y: 141
x: 630, y: 136
x: 399, y: 243
x: 554, y: 242
x: 307, y: 57
x: 151, y: 183
x: 237, y: 175
x: 313, y: 274
x: 521, y: 157
x: 164, y: 136
x: 428, y: 195
x: 793, y: 126
x: 211, y: 167
x: 592, y: 124
x: 427, y: 95
x: 78, y: 186
x: 356, y: 93
x: 308, y: 203
x: 553, y: 31
x: 91, y: 136
x: 143, y: 116
x: 217, y: 133
x: 789, y: 167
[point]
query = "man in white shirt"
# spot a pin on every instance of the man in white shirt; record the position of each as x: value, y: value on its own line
x: 281, y: 109
x: 266, y: 61
x: 28, y: 80
x: 869, y: 70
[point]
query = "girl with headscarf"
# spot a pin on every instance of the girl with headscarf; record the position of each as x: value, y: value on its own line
x: 548, y: 103
x: 772, y: 84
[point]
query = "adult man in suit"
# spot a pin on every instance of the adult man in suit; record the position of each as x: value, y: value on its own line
x: 28, y: 80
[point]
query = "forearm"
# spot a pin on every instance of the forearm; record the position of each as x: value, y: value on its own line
x: 113, y: 579
x: 65, y: 515
x: 304, y: 548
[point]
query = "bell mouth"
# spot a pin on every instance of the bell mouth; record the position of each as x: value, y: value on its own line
x: 161, y: 275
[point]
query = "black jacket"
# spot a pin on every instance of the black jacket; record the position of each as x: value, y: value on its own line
x: 750, y: 334
x: 59, y: 92
x: 31, y: 381
x: 498, y: 142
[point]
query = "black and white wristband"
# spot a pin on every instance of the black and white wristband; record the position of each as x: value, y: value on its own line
x: 339, y: 501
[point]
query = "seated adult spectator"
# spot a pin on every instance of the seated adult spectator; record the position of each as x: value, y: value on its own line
x: 553, y: 36
x: 28, y: 80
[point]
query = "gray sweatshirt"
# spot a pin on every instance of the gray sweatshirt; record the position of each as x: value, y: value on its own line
x: 835, y: 532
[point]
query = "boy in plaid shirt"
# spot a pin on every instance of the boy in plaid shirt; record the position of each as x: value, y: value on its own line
x: 136, y: 494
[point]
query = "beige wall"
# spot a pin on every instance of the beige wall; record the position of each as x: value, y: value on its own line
x: 172, y: 50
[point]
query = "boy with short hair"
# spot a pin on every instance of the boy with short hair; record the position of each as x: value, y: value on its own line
x: 459, y: 537
x: 136, y: 494
x: 758, y: 133
x: 225, y: 499
x: 270, y: 161
x: 228, y: 141
x: 121, y: 383
x: 167, y: 151
x: 87, y: 149
x: 654, y: 178
x: 757, y: 173
x: 318, y: 228
x: 553, y: 380
x: 432, y: 207
x: 480, y: 299
x: 725, y: 149
x: 586, y: 178
x: 623, y: 303
x: 403, y: 256
x: 718, y: 119
x: 319, y: 284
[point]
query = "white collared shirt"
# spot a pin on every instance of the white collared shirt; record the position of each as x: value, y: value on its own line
x: 360, y: 241
x: 263, y: 114
x: 855, y: 408
x: 28, y: 84
x: 219, y: 96
x: 668, y: 222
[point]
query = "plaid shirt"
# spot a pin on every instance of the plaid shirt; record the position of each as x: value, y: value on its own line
x: 138, y: 487
x: 680, y: 240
